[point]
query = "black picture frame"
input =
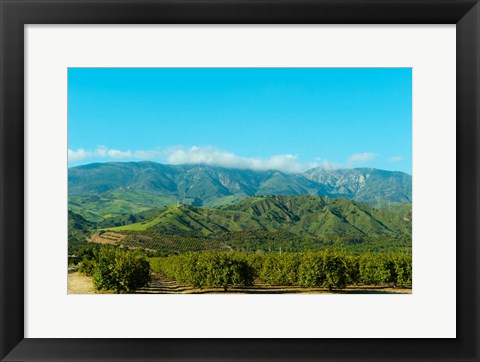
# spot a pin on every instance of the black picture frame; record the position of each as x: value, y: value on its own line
x: 15, y: 14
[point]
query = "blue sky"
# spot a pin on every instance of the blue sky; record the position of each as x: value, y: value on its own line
x: 283, y: 118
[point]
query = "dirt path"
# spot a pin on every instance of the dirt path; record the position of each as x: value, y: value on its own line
x: 81, y: 284
x: 161, y: 284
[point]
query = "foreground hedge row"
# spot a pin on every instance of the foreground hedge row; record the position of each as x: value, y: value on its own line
x: 116, y: 269
x: 311, y: 269
x: 206, y: 269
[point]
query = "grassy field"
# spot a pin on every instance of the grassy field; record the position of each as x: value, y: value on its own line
x: 140, y: 226
x: 169, y: 217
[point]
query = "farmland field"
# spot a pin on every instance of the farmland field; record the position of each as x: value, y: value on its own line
x: 80, y: 284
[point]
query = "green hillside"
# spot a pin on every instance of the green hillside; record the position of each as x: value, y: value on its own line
x: 117, y: 202
x: 78, y: 227
x: 304, y: 218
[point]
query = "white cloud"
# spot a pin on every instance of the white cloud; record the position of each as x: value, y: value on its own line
x: 360, y: 158
x: 103, y: 152
x: 215, y: 157
x: 78, y: 155
x: 199, y: 155
x: 395, y: 159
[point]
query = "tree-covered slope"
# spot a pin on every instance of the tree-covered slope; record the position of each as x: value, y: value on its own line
x: 78, y: 227
x: 309, y: 216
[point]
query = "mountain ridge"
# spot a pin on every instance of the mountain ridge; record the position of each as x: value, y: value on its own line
x: 104, y: 189
x: 303, y: 215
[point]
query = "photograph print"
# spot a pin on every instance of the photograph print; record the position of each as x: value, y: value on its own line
x: 240, y: 180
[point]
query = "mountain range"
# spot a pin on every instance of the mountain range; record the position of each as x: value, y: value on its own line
x: 102, y: 190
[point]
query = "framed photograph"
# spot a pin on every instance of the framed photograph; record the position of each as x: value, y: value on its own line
x: 239, y: 180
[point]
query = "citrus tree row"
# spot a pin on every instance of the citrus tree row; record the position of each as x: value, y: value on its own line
x: 116, y: 269
x: 332, y: 270
x: 208, y: 269
x: 153, y: 241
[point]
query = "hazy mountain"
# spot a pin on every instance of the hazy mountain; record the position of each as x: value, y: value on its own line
x: 363, y: 184
x: 114, y: 188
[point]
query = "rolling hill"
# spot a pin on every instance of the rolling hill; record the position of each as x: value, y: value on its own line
x: 306, y: 216
x: 102, y: 190
x: 78, y: 227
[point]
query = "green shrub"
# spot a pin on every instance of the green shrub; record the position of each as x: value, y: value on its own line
x: 334, y: 270
x: 353, y: 269
x: 120, y: 270
x: 310, y: 270
x: 403, y: 269
x: 223, y: 270
x: 369, y: 273
x: 324, y: 269
x: 279, y: 269
x: 378, y: 269
x: 86, y: 266
x: 208, y: 269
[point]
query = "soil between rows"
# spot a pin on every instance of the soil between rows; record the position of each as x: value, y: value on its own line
x: 81, y: 284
